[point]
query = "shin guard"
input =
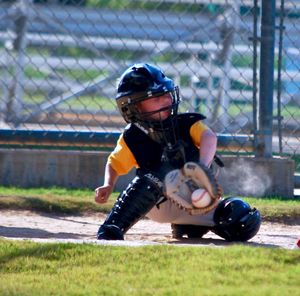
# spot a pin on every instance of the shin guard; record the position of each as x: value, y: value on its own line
x: 134, y: 202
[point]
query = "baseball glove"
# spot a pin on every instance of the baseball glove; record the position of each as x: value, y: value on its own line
x: 181, y: 183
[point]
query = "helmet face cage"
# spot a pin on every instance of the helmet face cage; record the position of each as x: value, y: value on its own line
x: 142, y: 82
x: 128, y: 107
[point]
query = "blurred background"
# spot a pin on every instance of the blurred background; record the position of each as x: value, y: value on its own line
x: 59, y: 61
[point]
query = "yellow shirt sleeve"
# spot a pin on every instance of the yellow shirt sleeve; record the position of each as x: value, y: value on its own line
x: 122, y: 159
x: 196, y: 132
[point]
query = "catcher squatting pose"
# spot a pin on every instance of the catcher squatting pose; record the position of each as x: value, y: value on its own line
x: 173, y: 154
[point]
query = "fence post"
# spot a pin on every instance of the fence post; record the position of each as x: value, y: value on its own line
x: 18, y: 51
x: 265, y: 122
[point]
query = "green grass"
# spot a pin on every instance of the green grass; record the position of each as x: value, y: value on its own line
x: 28, y: 268
x: 90, y: 103
x: 58, y: 200
x: 78, y: 75
x: 35, y: 73
x: 75, y: 201
x: 82, y: 76
x: 154, y: 6
x: 277, y: 209
x: 95, y: 103
x: 239, y: 108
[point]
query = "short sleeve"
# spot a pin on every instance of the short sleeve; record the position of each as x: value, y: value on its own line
x: 196, y: 132
x: 122, y: 159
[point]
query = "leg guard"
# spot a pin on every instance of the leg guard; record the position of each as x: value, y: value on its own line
x: 137, y: 200
x: 191, y: 231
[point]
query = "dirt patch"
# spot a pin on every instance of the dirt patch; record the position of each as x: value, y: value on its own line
x: 56, y: 228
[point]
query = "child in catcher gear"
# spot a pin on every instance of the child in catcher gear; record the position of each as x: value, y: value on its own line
x: 157, y: 140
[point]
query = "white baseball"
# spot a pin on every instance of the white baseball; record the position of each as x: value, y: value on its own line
x: 200, y: 198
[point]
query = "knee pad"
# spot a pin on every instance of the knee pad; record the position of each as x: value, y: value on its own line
x: 235, y: 220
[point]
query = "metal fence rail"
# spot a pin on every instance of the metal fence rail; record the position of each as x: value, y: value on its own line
x: 59, y: 65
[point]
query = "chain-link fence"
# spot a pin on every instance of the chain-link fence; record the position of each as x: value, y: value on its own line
x: 60, y: 60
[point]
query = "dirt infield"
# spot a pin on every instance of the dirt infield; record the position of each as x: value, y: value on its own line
x: 82, y: 229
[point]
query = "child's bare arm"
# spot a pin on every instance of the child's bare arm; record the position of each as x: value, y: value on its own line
x: 103, y: 192
x: 208, y: 146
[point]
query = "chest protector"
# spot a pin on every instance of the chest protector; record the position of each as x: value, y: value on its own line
x: 148, y: 153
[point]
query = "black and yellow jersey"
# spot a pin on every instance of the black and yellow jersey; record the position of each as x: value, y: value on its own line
x: 135, y: 149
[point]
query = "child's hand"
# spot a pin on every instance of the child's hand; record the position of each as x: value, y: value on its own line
x: 102, y: 193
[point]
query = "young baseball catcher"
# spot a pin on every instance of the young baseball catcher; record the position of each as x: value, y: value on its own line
x: 173, y: 154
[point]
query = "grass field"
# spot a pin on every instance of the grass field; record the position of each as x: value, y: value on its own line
x: 29, y: 268
x: 70, y: 201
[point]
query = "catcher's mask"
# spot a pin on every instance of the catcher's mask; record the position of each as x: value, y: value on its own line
x: 235, y: 220
x: 142, y: 82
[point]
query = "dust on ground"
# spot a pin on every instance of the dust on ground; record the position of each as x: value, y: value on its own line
x: 42, y: 227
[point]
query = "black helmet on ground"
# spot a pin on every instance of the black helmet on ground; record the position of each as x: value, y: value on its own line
x: 236, y: 220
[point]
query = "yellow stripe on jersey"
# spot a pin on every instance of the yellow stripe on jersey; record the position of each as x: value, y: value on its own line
x: 123, y: 161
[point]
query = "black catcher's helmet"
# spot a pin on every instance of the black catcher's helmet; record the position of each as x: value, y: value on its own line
x: 141, y: 82
x: 235, y: 220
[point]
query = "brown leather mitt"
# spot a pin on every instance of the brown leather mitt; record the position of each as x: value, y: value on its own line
x: 181, y: 183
